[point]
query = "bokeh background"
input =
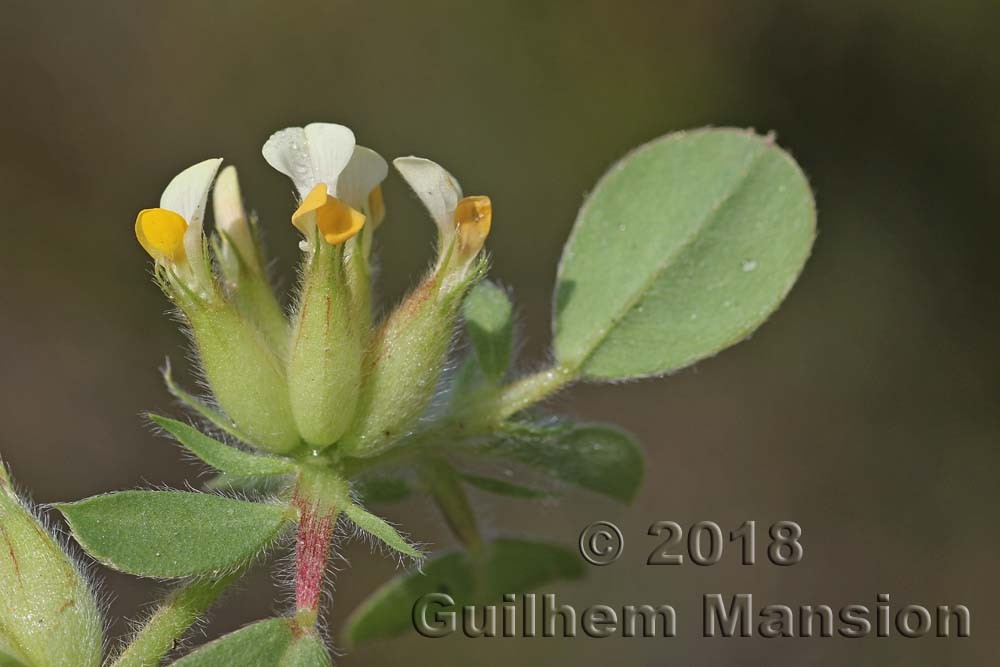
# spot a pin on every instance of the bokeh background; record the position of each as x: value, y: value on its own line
x: 864, y: 410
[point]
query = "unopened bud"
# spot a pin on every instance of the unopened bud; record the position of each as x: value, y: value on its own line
x: 48, y: 615
x: 246, y: 375
x: 324, y: 364
x: 404, y: 364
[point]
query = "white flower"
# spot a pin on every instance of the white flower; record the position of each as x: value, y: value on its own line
x: 173, y: 232
x: 328, y: 170
x: 311, y: 155
x: 232, y: 222
x: 467, y: 218
x: 437, y: 189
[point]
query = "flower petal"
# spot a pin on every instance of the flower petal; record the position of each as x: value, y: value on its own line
x: 231, y: 217
x: 336, y: 220
x: 330, y: 148
x: 437, y: 189
x: 473, y: 217
x: 361, y: 175
x: 161, y: 233
x: 311, y: 155
x: 187, y: 195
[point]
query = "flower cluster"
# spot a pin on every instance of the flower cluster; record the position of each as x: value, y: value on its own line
x: 327, y: 373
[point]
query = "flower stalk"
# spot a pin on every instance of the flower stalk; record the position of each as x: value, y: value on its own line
x: 175, y: 615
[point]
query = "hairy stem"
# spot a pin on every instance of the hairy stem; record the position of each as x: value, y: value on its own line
x: 318, y: 498
x: 312, y: 549
x: 531, y: 389
x: 178, y: 612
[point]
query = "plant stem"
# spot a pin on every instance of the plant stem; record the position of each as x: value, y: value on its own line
x: 312, y: 549
x: 318, y: 497
x: 529, y: 390
x: 171, y: 620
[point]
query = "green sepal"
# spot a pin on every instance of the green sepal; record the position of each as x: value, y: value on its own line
x: 408, y: 352
x: 169, y: 534
x: 488, y: 320
x: 506, y: 566
x: 275, y: 642
x: 253, y: 485
x: 325, y: 351
x: 9, y: 659
x: 380, y: 528
x: 216, y: 418
x: 48, y: 613
x: 250, y: 289
x: 221, y: 456
x: 246, y: 374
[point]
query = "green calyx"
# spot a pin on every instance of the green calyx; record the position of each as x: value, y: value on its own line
x: 324, y: 361
x: 404, y: 363
x: 246, y: 374
x: 48, y: 614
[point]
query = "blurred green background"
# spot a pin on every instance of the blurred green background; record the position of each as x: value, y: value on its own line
x: 864, y: 410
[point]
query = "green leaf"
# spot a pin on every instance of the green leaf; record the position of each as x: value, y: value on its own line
x: 507, y: 566
x: 597, y: 457
x: 260, y: 486
x: 382, y: 489
x: 503, y: 488
x: 48, y: 614
x: 683, y: 248
x: 172, y: 533
x: 379, y: 528
x: 307, y: 651
x: 488, y: 320
x: 221, y: 456
x: 271, y: 642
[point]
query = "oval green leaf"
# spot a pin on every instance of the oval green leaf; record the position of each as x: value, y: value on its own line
x: 169, y: 534
x: 596, y: 457
x: 683, y: 248
x: 275, y: 641
x: 488, y: 319
x: 507, y: 566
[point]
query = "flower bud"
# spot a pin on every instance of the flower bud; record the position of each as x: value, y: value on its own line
x: 404, y: 364
x: 324, y: 361
x: 48, y: 615
x: 245, y: 373
x: 241, y: 262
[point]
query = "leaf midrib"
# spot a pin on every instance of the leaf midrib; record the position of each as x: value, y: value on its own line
x: 620, y: 315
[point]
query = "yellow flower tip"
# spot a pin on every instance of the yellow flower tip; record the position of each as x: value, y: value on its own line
x: 335, y: 220
x: 376, y: 206
x: 473, y: 217
x: 161, y: 233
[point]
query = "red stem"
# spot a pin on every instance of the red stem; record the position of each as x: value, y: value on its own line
x: 312, y: 548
